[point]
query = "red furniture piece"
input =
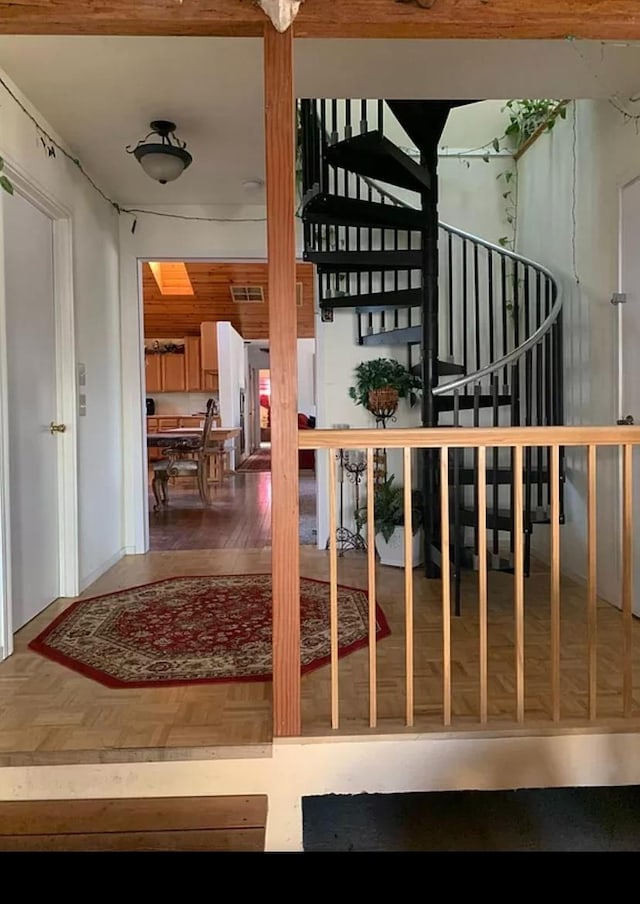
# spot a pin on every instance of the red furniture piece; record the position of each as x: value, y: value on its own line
x: 306, y: 457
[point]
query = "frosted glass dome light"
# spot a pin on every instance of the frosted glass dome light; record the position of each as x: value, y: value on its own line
x: 162, y: 160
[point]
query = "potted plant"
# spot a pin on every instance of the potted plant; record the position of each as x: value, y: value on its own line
x: 389, y: 523
x: 381, y: 383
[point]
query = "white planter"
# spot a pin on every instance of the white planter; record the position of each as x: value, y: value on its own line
x: 392, y: 553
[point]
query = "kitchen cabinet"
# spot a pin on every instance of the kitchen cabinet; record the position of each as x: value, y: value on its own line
x: 192, y: 364
x: 168, y: 423
x: 153, y: 373
x: 157, y: 423
x: 165, y: 372
x: 195, y: 422
x: 210, y: 381
x: 194, y: 370
x: 173, y: 372
x: 209, y: 347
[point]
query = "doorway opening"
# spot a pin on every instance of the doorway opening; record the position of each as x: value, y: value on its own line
x: 264, y: 377
x: 208, y: 404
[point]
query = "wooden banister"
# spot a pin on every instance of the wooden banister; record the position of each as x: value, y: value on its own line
x: 519, y: 440
x: 469, y: 437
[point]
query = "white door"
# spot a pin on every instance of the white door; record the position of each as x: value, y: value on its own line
x: 630, y: 343
x: 31, y: 368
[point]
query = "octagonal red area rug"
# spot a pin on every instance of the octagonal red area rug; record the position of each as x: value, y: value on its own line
x: 189, y: 630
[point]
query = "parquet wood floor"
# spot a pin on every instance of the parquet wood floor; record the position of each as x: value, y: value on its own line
x: 51, y: 714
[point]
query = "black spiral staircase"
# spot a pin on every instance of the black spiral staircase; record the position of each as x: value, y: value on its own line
x: 481, y: 324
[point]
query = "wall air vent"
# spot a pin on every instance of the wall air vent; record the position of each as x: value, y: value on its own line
x: 247, y: 294
x: 255, y: 294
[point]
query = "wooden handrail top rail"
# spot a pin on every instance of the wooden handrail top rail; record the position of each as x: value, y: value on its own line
x: 468, y: 437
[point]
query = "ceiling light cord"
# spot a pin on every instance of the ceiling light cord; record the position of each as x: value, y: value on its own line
x: 135, y: 212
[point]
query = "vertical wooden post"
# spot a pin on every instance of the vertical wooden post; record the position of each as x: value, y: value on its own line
x: 592, y: 589
x: 555, y: 583
x: 518, y: 572
x: 333, y: 591
x: 446, y: 585
x: 371, y: 570
x: 408, y: 589
x: 281, y: 241
x: 482, y: 581
x: 627, y: 579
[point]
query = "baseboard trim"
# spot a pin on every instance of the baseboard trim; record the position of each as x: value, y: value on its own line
x: 100, y: 570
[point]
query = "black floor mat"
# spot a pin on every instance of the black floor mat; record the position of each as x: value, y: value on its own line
x: 565, y: 819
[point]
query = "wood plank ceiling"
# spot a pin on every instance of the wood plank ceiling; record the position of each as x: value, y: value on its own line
x: 595, y: 19
x: 174, y: 316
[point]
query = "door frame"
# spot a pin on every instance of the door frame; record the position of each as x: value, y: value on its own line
x: 66, y: 402
x: 136, y: 498
x: 626, y: 181
x: 134, y: 420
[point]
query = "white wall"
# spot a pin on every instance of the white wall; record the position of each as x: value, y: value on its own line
x: 259, y: 360
x: 231, y: 379
x: 97, y: 339
x: 182, y: 403
x: 306, y: 376
x: 337, y: 356
x: 470, y: 190
x: 607, y: 156
x: 158, y: 238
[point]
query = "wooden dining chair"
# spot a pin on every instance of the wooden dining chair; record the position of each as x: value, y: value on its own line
x: 175, y: 465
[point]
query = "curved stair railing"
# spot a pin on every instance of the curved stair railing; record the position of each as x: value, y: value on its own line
x: 499, y: 314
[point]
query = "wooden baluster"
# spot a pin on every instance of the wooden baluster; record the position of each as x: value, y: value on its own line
x: 592, y: 593
x: 627, y: 578
x: 518, y: 589
x: 333, y: 584
x: 482, y: 579
x: 446, y: 585
x: 371, y: 567
x: 408, y: 587
x: 555, y: 583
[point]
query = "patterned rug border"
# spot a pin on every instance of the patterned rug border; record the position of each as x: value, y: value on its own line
x: 246, y: 466
x: 38, y: 644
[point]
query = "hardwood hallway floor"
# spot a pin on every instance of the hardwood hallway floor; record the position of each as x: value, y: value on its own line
x: 239, y: 516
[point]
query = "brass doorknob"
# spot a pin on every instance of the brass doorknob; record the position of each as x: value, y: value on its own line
x: 57, y: 428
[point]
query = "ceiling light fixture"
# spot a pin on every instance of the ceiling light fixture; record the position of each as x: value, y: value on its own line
x: 162, y: 160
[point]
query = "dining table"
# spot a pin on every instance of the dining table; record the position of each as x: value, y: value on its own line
x: 188, y: 437
x: 181, y: 441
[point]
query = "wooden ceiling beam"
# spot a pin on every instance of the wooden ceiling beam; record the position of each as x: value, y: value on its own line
x: 606, y: 19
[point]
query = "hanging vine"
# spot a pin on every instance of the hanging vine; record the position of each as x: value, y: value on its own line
x: 5, y: 182
x: 527, y: 120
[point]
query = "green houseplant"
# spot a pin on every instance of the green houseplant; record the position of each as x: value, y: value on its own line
x: 384, y: 375
x: 389, y: 522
